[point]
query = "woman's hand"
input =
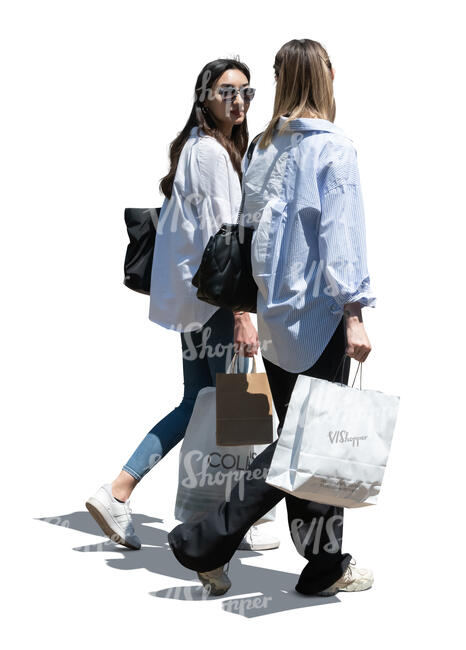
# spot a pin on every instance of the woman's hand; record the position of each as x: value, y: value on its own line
x: 358, y: 344
x: 246, y: 338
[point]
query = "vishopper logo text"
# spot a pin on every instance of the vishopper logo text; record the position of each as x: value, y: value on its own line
x: 343, y: 436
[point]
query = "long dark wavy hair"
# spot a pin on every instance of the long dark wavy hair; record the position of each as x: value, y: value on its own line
x: 201, y: 116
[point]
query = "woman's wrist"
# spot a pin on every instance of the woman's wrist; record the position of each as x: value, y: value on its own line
x: 352, y: 312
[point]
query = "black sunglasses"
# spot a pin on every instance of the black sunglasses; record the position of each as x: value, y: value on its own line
x: 228, y: 93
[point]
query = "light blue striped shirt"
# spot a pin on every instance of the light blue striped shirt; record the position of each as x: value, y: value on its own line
x: 303, y: 198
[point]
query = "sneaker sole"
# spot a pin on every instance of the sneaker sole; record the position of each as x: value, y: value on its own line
x: 337, y: 591
x: 363, y: 589
x: 101, y: 517
x: 258, y: 547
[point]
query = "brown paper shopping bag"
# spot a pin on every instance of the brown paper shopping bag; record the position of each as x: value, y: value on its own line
x: 244, y: 407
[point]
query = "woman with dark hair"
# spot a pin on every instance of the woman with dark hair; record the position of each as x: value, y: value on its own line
x: 202, y: 190
x: 303, y: 198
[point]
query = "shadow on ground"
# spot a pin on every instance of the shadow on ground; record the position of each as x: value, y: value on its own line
x: 270, y: 590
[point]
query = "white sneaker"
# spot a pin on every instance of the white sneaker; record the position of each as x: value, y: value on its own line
x: 113, y: 517
x: 216, y: 582
x: 257, y: 539
x: 353, y: 579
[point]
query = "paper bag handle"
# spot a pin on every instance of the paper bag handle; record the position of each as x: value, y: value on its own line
x: 230, y: 368
x: 355, y: 374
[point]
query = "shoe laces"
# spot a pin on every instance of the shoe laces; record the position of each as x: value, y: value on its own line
x: 349, y: 569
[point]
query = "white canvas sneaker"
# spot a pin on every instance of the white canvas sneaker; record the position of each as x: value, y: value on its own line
x: 216, y: 582
x: 113, y: 517
x: 354, y: 579
x: 258, y: 539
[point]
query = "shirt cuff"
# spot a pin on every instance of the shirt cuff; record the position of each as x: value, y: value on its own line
x: 363, y: 295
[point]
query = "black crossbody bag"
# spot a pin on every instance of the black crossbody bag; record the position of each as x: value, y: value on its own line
x: 224, y: 277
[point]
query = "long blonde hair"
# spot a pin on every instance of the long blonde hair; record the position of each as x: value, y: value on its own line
x: 304, y: 83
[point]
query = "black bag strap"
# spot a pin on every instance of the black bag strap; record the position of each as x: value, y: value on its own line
x: 252, y: 146
x: 249, y: 153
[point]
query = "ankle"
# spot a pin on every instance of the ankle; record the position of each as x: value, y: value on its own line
x: 123, y: 486
x: 118, y: 493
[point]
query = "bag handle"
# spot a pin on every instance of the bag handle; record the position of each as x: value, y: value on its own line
x: 360, y: 376
x: 355, y: 374
x: 230, y: 369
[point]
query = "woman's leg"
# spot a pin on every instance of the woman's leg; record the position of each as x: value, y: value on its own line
x: 109, y: 505
x: 212, y: 541
x: 219, y: 344
x: 205, y: 352
x: 317, y: 529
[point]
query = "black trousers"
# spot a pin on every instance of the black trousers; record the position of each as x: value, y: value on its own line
x: 316, y: 529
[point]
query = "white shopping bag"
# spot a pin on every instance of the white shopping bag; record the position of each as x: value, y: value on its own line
x: 207, y: 472
x: 334, y: 444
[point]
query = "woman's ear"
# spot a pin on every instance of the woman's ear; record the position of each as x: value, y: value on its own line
x: 333, y: 73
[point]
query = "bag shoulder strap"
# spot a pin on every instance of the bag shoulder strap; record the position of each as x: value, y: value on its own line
x: 252, y: 146
x: 249, y: 153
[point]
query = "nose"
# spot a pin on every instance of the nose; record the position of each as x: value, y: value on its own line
x: 238, y: 101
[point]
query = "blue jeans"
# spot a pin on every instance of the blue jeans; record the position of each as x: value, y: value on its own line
x: 205, y: 352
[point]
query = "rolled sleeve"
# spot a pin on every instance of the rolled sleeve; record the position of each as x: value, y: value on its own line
x: 342, y: 247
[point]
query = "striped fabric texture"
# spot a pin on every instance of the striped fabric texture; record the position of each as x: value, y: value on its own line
x: 303, y: 198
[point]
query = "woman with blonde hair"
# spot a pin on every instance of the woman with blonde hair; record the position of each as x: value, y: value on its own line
x: 303, y: 199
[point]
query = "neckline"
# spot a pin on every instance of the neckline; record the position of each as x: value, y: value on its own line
x: 310, y: 124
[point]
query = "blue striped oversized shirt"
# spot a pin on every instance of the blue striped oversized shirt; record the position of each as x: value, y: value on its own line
x: 303, y: 199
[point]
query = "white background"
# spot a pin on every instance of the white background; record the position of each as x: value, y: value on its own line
x: 93, y: 94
